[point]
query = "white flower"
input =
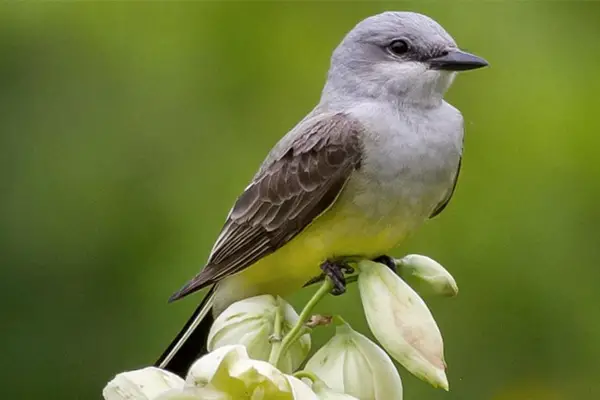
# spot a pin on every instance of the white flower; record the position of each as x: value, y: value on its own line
x: 324, y: 392
x: 301, y: 390
x: 193, y: 393
x: 230, y: 371
x: 402, y: 323
x: 352, y: 364
x: 251, y: 322
x: 204, y: 370
x: 428, y: 271
x: 141, y: 384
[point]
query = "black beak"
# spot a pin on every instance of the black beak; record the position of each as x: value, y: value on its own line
x: 456, y: 60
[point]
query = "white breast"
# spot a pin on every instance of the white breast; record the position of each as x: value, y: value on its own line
x: 411, y: 159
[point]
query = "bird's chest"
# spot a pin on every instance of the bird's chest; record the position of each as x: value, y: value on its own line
x: 409, y: 165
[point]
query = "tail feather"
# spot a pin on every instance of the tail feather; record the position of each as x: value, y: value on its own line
x: 190, y: 343
x: 196, y: 283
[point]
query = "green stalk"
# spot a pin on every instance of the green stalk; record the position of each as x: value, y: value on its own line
x: 299, y: 329
x: 306, y: 374
x: 277, y: 331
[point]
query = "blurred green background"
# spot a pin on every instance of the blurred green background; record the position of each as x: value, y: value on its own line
x: 128, y: 129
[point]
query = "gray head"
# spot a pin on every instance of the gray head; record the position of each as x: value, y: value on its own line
x: 405, y: 56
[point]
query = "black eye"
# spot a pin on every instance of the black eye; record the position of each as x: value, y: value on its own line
x: 398, y: 47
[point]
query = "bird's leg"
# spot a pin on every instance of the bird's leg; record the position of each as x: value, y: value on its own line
x: 336, y: 270
x: 388, y: 261
x: 347, y: 269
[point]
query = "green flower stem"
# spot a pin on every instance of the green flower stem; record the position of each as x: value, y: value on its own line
x: 299, y: 329
x: 277, y: 331
x: 306, y: 374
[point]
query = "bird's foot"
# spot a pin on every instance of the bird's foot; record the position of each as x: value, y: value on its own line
x: 336, y: 270
x: 347, y: 269
x: 388, y: 261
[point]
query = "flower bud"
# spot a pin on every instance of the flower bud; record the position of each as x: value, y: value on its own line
x: 402, y: 323
x: 251, y: 323
x: 352, y: 364
x: 229, y: 370
x: 428, y: 271
x: 324, y: 392
x: 142, y: 384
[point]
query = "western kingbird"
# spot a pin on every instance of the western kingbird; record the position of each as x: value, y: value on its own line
x: 377, y: 156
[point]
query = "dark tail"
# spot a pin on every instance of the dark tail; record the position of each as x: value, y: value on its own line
x: 190, y: 343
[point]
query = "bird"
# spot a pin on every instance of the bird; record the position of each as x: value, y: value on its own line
x: 378, y: 156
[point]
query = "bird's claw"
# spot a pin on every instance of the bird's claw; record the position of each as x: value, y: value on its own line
x: 314, y: 280
x: 335, y: 271
x: 346, y: 269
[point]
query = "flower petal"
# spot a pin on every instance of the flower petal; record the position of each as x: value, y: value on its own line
x: 257, y: 373
x: 300, y: 390
x: 213, y: 368
x: 430, y: 272
x: 141, y: 384
x: 229, y: 370
x: 324, y: 392
x: 351, y: 363
x: 251, y: 322
x: 402, y: 323
x: 193, y: 393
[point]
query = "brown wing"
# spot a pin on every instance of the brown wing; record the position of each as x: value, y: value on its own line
x: 440, y: 207
x: 284, y: 198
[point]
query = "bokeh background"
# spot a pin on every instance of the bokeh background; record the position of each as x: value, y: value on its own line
x: 128, y: 129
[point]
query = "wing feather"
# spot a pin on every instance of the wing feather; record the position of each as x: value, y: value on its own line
x: 284, y: 197
x: 440, y: 207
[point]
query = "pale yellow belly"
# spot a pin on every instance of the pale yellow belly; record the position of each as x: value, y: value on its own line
x: 333, y: 234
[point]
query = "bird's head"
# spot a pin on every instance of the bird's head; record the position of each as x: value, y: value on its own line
x: 402, y: 55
